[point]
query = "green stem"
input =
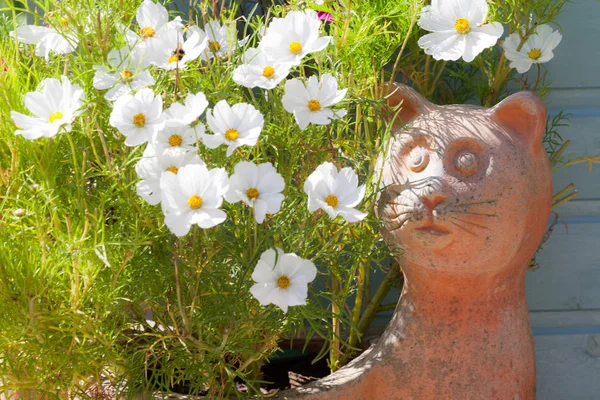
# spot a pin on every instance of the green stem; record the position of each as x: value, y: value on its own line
x: 559, y: 152
x: 387, y: 307
x: 563, y: 192
x: 359, y: 299
x: 565, y: 199
x: 413, y: 21
x: 334, y: 351
x: 184, y: 317
x: 375, y: 303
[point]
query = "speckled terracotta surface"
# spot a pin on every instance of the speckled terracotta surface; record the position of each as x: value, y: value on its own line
x: 466, y: 198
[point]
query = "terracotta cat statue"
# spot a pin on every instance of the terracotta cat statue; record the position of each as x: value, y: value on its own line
x: 466, y: 195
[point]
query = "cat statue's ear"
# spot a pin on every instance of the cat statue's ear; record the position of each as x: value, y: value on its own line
x: 412, y: 103
x: 525, y: 113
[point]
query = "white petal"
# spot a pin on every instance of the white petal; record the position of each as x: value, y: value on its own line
x: 179, y: 224
x: 443, y: 45
x: 208, y: 218
x: 346, y: 182
x: 297, y: 294
x: 260, y: 210
x: 263, y: 272
x: 481, y: 38
x: 263, y: 292
x: 351, y: 214
x: 433, y: 21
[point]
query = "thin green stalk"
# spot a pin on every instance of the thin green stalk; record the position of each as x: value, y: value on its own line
x: 358, y: 302
x: 186, y: 322
x: 413, y: 21
x: 565, y: 199
x: 556, y: 157
x: 563, y: 192
x: 372, y: 308
x: 334, y: 351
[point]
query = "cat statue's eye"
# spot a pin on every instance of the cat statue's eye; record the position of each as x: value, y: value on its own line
x: 418, y: 159
x: 466, y: 163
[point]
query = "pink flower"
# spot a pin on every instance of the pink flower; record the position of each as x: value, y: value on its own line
x: 5, y: 69
x: 325, y: 16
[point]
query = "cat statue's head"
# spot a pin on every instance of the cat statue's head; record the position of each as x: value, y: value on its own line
x: 465, y: 188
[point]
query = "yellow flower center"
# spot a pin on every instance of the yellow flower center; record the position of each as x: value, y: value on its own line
x: 195, y: 202
x: 64, y: 22
x: 252, y: 193
x: 332, y: 200
x: 173, y: 59
x: 231, y: 134
x: 462, y: 25
x: 295, y: 47
x: 214, y: 46
x: 147, y: 32
x: 175, y: 140
x: 534, y: 54
x: 268, y: 72
x: 314, y: 105
x: 55, y: 116
x: 126, y: 74
x: 139, y: 120
x: 173, y: 169
x: 283, y: 282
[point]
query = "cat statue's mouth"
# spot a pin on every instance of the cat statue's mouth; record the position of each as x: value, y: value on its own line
x: 433, y: 229
x: 435, y: 226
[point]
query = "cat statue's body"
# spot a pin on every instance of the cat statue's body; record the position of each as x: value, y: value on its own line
x: 466, y: 197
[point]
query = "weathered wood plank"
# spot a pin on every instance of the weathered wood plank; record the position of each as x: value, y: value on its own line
x: 569, y: 273
x: 575, y: 63
x: 568, y: 367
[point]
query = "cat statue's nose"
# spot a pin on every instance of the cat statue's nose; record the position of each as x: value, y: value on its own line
x: 431, y: 201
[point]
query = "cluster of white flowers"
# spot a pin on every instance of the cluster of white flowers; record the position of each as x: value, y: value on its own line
x: 171, y: 172
x: 458, y: 30
x: 286, y: 42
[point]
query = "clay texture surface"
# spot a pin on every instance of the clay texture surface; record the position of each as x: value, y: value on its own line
x: 465, y: 201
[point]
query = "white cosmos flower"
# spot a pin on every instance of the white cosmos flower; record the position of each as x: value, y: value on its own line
x: 170, y: 51
x: 129, y: 73
x: 258, y: 186
x: 536, y: 50
x: 220, y: 39
x: 312, y: 103
x: 282, y: 279
x: 182, y: 137
x: 336, y: 193
x: 46, y: 40
x: 291, y: 38
x: 234, y: 126
x: 193, y: 196
x: 54, y: 107
x: 138, y: 117
x: 153, y: 20
x: 260, y: 69
x: 458, y: 29
x: 189, y: 112
x: 154, y: 164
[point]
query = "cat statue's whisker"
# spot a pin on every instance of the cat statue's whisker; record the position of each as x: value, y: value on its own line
x: 393, y: 217
x: 400, y: 204
x: 463, y: 228
x: 400, y: 224
x: 475, y: 203
x: 481, y: 214
x: 470, y: 223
